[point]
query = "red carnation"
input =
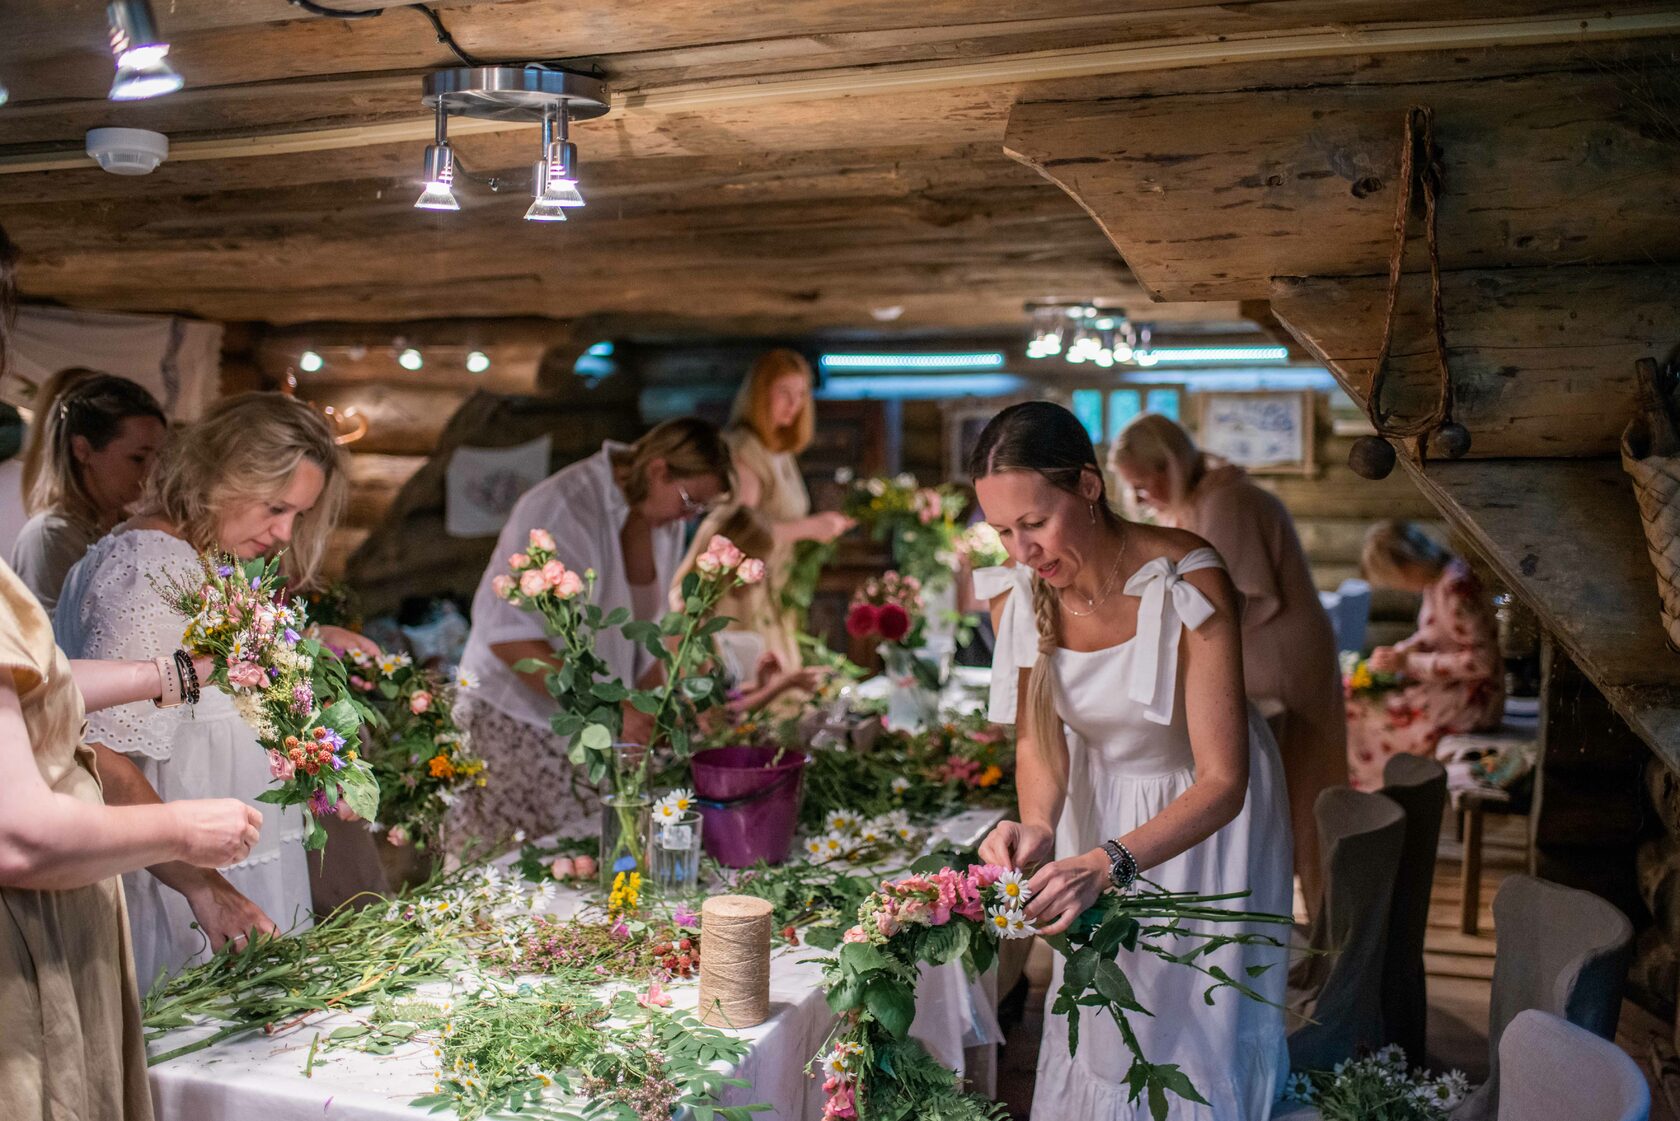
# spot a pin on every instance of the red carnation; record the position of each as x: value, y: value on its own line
x: 893, y: 622
x: 862, y: 620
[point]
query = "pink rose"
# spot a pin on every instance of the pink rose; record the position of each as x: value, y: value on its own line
x: 751, y: 571
x: 420, y: 702
x: 519, y: 561
x: 569, y: 586
x: 725, y: 551
x: 542, y: 539
x: 502, y: 585
x: 584, y: 866
x: 886, y: 923
x: 398, y: 836
x: 246, y: 675
x: 707, y: 564
x: 280, y: 767
x: 855, y: 934
x: 563, y: 868
x: 531, y: 583
x: 553, y: 572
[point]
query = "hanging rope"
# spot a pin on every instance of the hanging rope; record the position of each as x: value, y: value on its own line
x: 1419, y: 169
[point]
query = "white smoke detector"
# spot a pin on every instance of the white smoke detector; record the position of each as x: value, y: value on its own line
x: 127, y: 151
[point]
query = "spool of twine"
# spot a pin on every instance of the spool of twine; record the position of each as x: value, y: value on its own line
x: 735, y: 967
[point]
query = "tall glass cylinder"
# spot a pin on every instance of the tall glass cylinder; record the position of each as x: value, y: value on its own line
x: 625, y: 819
x: 674, y: 854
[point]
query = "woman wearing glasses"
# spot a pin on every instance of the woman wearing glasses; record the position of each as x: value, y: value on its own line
x: 619, y: 512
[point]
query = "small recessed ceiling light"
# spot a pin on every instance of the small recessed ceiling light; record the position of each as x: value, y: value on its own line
x: 410, y: 359
x: 478, y: 362
x: 309, y: 362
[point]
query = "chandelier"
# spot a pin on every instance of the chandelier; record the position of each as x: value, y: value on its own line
x: 543, y: 95
x: 1081, y: 333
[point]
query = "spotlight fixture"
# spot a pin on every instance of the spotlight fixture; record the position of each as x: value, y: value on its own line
x: 410, y: 359
x: 139, y: 50
x: 440, y: 170
x: 309, y: 362
x: 477, y: 362
x: 5, y: 94
x: 549, y: 96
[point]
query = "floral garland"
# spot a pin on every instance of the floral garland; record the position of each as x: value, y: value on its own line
x: 874, y: 1070
x: 419, y: 755
x: 290, y: 689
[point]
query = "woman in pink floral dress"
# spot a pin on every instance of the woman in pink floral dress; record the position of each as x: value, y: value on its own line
x: 1454, y: 679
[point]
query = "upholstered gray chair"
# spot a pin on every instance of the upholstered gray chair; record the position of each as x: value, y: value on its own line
x: 1562, y: 951
x: 1552, y: 1069
x: 1418, y: 785
x: 1362, y: 835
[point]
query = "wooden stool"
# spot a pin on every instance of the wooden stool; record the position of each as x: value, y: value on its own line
x: 1471, y: 799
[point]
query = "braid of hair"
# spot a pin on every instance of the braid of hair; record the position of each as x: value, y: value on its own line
x: 1043, y: 721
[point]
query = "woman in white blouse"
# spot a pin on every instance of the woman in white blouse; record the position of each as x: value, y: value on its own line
x: 259, y: 475
x: 619, y: 512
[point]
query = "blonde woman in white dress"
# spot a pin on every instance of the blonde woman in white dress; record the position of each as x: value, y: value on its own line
x: 1119, y: 657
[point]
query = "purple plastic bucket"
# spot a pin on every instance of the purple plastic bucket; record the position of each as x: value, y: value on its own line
x: 751, y: 809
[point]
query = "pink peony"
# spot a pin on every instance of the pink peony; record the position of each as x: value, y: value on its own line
x: 531, y: 583
x: 751, y: 571
x: 280, y: 767
x: 563, y: 868
x: 553, y: 572
x: 519, y: 562
x: 419, y: 703
x: 584, y: 865
x: 502, y: 585
x: 542, y: 539
x: 398, y: 836
x: 569, y: 585
x: 246, y: 675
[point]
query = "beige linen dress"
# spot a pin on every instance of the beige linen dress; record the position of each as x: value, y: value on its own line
x: 1289, y: 648
x: 70, y: 1042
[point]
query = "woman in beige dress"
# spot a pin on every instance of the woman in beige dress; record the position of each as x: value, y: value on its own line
x: 1289, y: 648
x: 771, y: 423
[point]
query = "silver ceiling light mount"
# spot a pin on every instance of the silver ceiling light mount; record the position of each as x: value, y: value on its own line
x: 139, y: 49
x: 548, y: 97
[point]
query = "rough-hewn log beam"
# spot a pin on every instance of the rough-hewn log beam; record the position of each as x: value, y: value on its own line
x: 1542, y: 359
x: 1209, y: 196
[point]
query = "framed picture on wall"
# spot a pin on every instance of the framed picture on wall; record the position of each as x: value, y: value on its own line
x: 1267, y: 432
x: 964, y: 421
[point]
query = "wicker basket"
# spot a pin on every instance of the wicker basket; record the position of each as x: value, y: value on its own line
x: 1651, y: 457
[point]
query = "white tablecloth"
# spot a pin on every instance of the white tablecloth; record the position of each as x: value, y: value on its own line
x: 261, y: 1078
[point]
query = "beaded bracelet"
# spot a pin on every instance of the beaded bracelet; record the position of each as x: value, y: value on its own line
x: 189, y: 675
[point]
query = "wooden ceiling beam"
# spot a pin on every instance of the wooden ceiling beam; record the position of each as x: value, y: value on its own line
x: 1210, y: 196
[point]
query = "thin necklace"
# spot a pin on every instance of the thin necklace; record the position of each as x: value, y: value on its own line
x: 1091, y: 605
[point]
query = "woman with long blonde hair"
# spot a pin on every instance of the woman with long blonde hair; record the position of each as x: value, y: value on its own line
x: 1119, y: 660
x: 258, y: 475
x: 620, y: 514
x: 1289, y: 648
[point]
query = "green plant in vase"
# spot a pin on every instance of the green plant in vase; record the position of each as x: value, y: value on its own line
x: 593, y: 701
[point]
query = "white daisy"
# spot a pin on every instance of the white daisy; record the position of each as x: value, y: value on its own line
x: 834, y: 846
x: 666, y: 813
x: 998, y: 919
x: 900, y: 785
x: 465, y: 680
x: 1020, y: 926
x: 1298, y: 1088
x: 1012, y: 887
x: 814, y: 849
x: 843, y: 821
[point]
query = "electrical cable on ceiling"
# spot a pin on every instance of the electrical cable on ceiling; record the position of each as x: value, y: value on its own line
x: 443, y: 35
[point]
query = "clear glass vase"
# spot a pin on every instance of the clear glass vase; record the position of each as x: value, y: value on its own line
x: 625, y: 819
x: 911, y: 705
x: 674, y: 854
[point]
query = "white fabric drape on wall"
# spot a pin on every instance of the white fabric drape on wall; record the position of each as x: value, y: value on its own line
x: 179, y: 360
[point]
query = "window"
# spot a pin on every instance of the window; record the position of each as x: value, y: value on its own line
x: 1088, y: 407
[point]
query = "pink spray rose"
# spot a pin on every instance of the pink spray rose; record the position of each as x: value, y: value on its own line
x: 553, y: 572
x: 751, y: 571
x: 570, y: 585
x: 542, y: 539
x: 502, y: 585
x: 519, y: 561
x: 246, y: 675
x: 280, y: 767
x: 855, y: 934
x: 531, y: 582
x: 419, y: 703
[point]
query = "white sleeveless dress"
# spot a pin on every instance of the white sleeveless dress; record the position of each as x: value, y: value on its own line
x: 109, y: 609
x: 1129, y: 756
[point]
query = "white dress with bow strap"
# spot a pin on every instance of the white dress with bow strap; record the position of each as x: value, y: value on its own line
x: 1128, y: 757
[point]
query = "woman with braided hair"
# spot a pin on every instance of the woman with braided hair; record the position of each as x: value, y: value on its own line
x: 1119, y: 658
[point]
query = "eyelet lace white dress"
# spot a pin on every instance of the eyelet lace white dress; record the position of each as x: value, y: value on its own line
x: 109, y: 609
x: 1128, y: 757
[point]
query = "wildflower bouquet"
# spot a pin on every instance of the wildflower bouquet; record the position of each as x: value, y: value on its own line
x: 1378, y: 1087
x: 589, y: 696
x: 1360, y: 680
x: 419, y: 755
x: 918, y: 523
x: 890, y: 608
x: 290, y: 689
x: 874, y: 1070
